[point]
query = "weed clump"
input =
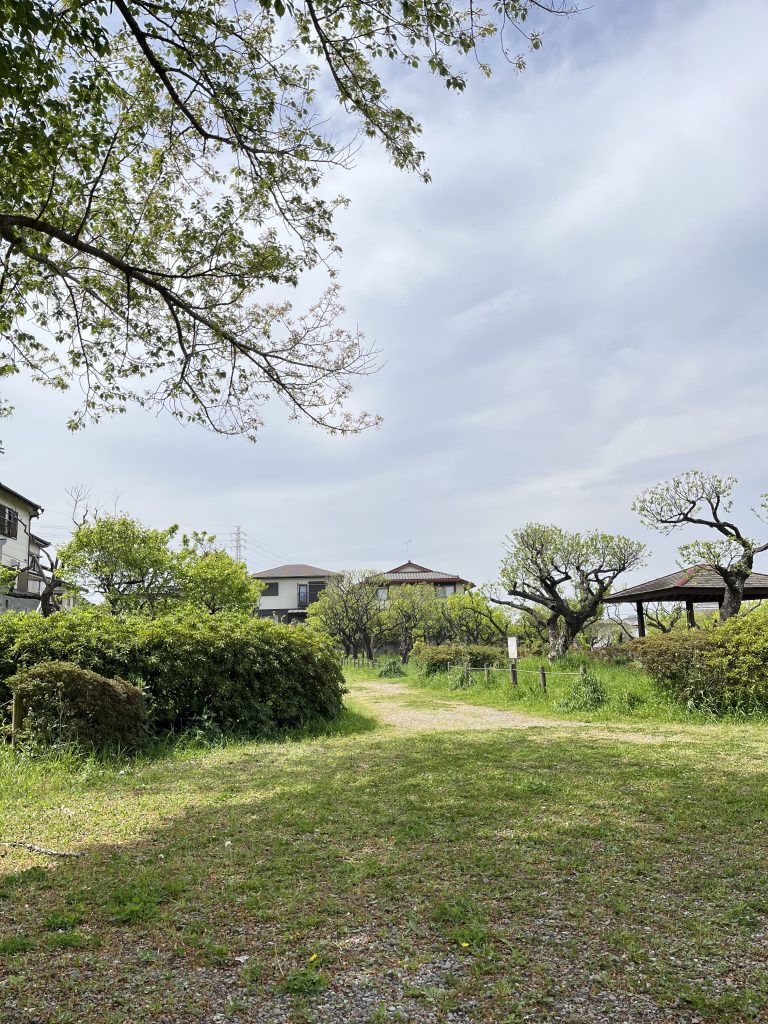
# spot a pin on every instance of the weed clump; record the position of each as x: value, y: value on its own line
x: 391, y: 669
x: 587, y: 693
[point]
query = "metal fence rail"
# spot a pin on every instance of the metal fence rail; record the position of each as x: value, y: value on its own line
x: 513, y: 671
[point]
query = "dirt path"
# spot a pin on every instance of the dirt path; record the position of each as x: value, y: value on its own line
x: 410, y: 710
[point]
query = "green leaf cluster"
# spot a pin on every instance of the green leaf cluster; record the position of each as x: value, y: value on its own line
x: 63, y: 703
x: 430, y: 660
x: 721, y: 670
x: 163, y: 163
x: 247, y: 675
x: 135, y: 568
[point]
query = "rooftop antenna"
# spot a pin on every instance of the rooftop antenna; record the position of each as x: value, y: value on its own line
x: 408, y: 550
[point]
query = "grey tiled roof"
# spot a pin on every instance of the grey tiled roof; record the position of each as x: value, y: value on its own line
x: 297, y: 571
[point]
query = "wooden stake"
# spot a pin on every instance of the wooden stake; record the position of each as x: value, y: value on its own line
x: 17, y: 716
x: 543, y: 677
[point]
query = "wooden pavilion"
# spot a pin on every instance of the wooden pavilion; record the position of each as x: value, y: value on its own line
x: 692, y: 586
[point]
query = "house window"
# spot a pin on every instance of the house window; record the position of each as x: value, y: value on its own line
x: 9, y: 521
x: 383, y: 593
x: 446, y: 590
x: 271, y: 590
x: 315, y: 590
x: 302, y: 595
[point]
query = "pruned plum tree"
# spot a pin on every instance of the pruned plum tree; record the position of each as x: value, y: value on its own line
x: 559, y: 579
x: 351, y: 610
x: 695, y: 498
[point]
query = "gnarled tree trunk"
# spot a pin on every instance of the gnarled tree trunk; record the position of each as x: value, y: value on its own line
x: 561, y: 635
x: 734, y: 595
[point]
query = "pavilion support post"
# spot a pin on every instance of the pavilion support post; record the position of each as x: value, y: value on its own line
x: 640, y: 619
x: 691, y: 618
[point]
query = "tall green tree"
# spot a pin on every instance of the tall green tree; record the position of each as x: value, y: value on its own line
x: 210, y: 578
x: 161, y: 165
x: 127, y: 564
x: 705, y: 499
x: 135, y: 568
x: 559, y: 579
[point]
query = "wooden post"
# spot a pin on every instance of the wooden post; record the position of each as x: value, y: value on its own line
x: 640, y: 619
x: 543, y: 678
x: 17, y: 716
x: 513, y: 672
x: 689, y: 615
x: 486, y: 675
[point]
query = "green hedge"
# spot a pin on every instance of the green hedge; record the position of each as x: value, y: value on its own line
x: 63, y: 703
x: 247, y: 675
x: 720, y: 670
x: 431, y: 660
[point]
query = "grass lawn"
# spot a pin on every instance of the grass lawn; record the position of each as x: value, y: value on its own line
x: 573, y: 874
x: 631, y: 695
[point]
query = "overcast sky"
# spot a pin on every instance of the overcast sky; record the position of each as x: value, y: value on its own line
x: 574, y: 309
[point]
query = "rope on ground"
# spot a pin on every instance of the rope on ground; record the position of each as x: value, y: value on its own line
x: 39, y: 849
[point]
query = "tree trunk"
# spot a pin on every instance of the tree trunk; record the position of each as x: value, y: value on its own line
x: 50, y: 602
x: 561, y: 636
x: 734, y: 595
x: 406, y: 646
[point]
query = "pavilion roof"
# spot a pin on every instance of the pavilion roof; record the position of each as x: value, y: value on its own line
x: 697, y: 583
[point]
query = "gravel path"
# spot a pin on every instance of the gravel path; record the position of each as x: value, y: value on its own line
x: 398, y: 705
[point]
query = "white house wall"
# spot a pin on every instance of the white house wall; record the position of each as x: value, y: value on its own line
x: 287, y: 593
x: 16, y: 549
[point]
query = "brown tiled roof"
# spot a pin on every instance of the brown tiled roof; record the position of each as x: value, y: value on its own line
x: 410, y: 572
x: 698, y: 583
x: 297, y: 571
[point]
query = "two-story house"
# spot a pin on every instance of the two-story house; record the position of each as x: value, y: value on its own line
x: 446, y: 584
x: 20, y: 549
x: 289, y: 590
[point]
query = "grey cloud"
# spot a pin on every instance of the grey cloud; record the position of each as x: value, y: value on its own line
x: 574, y: 309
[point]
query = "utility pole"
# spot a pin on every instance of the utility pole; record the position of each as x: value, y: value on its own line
x: 238, y: 542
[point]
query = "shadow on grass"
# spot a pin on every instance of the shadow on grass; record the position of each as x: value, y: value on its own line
x: 74, y: 760
x: 405, y: 850
x: 350, y: 722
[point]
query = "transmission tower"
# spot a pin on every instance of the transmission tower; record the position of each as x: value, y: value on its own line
x: 238, y: 542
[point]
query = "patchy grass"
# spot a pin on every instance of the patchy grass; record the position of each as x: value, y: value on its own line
x: 368, y: 875
x: 631, y: 696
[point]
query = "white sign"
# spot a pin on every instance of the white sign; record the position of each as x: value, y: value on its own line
x: 512, y: 647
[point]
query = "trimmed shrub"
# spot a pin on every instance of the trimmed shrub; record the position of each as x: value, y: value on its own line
x: 431, y: 660
x: 721, y: 670
x: 586, y: 694
x: 63, y: 703
x: 246, y: 675
x: 391, y: 669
